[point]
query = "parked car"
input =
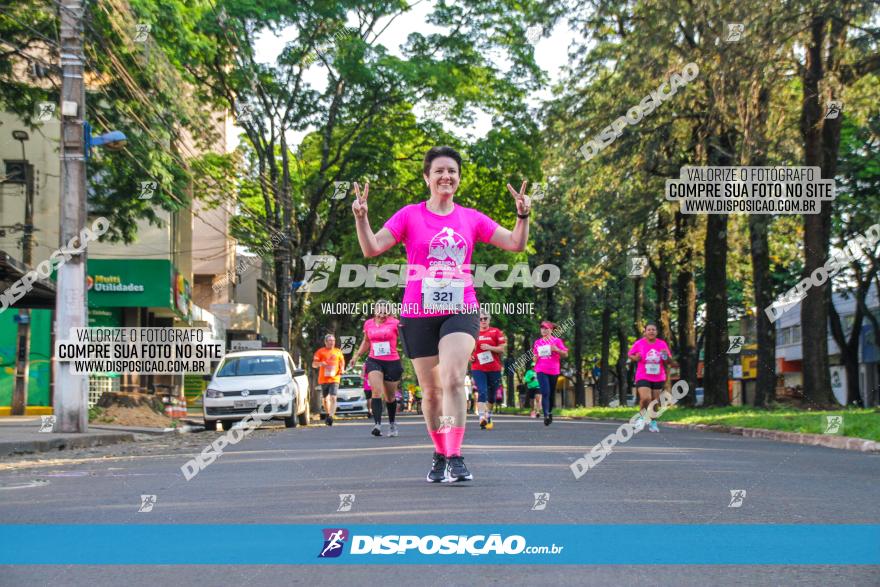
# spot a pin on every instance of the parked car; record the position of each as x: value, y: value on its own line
x: 350, y: 399
x: 245, y: 379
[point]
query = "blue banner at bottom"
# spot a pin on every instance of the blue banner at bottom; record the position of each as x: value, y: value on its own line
x: 264, y: 544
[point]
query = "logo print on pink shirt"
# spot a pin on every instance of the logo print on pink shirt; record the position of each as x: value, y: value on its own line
x: 448, y: 244
x: 653, y: 356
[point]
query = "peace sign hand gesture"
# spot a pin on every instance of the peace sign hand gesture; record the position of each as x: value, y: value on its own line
x: 523, y: 202
x: 359, y: 206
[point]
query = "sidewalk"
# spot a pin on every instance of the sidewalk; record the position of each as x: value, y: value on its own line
x: 21, y: 434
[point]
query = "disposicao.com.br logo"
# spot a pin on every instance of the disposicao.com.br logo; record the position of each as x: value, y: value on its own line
x: 475, y: 545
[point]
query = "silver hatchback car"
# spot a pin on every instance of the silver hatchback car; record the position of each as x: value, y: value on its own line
x: 244, y: 380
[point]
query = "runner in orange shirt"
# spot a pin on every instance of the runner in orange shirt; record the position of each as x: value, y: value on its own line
x: 330, y: 363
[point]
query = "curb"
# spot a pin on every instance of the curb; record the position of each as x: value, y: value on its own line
x: 826, y: 440
x: 185, y: 429
x: 65, y: 442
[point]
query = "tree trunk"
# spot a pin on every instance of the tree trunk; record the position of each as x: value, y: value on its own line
x: 715, y: 356
x: 638, y: 302
x: 849, y: 347
x: 686, y: 293
x: 606, y: 345
x: 579, y: 313
x: 662, y: 281
x: 765, y: 386
x: 814, y: 314
x: 623, y: 380
x: 755, y: 154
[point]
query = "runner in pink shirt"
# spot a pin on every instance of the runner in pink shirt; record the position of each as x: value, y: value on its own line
x: 383, y: 367
x: 439, y: 320
x: 650, y: 354
x: 548, y: 350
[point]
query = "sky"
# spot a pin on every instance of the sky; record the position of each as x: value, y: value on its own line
x: 550, y: 54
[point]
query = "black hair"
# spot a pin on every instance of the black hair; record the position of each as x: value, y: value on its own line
x: 654, y: 324
x: 443, y: 151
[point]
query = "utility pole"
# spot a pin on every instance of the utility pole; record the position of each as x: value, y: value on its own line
x: 71, y: 389
x: 23, y: 350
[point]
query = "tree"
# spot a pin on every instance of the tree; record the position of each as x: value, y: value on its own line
x: 354, y: 124
x: 832, y: 62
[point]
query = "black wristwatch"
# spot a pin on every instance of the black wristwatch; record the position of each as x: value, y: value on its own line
x: 518, y: 215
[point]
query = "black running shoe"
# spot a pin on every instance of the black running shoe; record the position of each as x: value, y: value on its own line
x: 550, y: 415
x: 376, y: 430
x: 456, y: 470
x: 547, y: 420
x: 438, y: 468
x: 329, y: 421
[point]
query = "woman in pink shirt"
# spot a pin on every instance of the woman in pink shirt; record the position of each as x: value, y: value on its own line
x: 650, y: 354
x: 383, y: 367
x: 548, y: 350
x: 439, y: 318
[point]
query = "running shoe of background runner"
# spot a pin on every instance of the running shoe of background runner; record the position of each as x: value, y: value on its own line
x: 329, y: 421
x: 639, y: 424
x: 547, y: 421
x: 393, y: 431
x: 456, y: 470
x: 438, y: 468
x: 377, y: 430
x: 653, y: 427
x: 482, y: 423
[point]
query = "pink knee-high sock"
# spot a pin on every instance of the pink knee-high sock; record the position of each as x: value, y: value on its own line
x: 439, y: 439
x: 454, y: 438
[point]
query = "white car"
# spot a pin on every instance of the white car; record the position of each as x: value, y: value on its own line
x: 246, y: 379
x: 350, y: 398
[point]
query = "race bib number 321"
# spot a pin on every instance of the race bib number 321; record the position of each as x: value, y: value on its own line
x: 442, y: 295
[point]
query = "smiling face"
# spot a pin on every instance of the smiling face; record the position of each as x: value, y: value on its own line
x: 443, y: 178
x: 650, y: 332
x: 381, y: 310
x: 330, y: 342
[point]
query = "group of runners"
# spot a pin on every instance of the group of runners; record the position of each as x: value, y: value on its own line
x: 441, y: 327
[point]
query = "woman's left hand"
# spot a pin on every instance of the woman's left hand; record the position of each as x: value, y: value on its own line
x: 523, y: 202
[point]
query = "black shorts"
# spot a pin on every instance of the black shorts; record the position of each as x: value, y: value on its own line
x: 329, y: 389
x: 391, y: 370
x: 531, y: 392
x: 654, y: 385
x: 421, y: 336
x: 368, y: 393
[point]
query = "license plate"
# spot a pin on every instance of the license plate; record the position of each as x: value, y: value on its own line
x: 244, y: 403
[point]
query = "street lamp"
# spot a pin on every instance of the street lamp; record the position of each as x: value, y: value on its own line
x: 114, y: 140
x: 23, y: 319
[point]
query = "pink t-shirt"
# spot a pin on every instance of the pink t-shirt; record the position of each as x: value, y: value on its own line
x: 382, y: 339
x: 650, y: 368
x: 439, y: 246
x: 547, y: 359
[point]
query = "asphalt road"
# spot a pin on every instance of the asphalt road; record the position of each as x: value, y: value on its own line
x: 295, y: 476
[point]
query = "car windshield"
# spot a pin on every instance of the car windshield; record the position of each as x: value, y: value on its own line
x: 253, y: 365
x: 350, y: 381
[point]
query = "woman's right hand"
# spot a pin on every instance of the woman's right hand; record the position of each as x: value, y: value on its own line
x: 359, y: 206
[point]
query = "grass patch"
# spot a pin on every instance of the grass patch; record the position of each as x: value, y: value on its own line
x: 859, y: 423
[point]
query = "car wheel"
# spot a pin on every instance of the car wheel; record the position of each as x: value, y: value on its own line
x: 305, y: 416
x: 227, y: 424
x: 290, y: 422
x: 210, y: 425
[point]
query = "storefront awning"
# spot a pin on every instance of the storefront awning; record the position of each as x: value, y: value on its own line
x: 42, y: 291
